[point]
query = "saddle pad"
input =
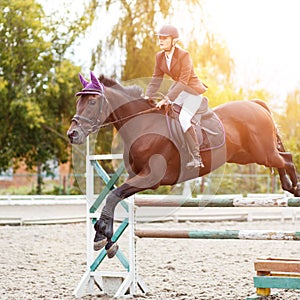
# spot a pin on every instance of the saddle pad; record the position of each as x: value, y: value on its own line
x: 208, y: 126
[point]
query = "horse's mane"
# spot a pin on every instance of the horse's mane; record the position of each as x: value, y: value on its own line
x: 133, y: 90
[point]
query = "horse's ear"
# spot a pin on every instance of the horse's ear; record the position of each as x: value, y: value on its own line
x: 96, y: 82
x: 101, y: 78
x: 83, y: 81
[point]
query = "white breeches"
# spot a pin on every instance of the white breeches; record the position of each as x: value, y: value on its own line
x: 190, y: 104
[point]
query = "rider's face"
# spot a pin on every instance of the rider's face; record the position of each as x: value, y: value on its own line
x: 165, y: 42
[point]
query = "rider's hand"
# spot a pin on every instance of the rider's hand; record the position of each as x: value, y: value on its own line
x: 165, y: 101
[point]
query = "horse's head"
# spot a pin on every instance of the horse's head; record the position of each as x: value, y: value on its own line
x: 91, y: 110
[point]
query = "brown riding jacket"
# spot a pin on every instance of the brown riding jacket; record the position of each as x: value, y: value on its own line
x: 181, y: 71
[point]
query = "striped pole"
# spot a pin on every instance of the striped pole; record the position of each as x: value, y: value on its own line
x: 217, y: 234
x: 216, y: 202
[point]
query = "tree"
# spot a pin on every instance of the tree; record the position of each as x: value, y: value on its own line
x: 134, y: 33
x: 289, y: 126
x: 214, y: 65
x: 134, y: 36
x: 36, y: 83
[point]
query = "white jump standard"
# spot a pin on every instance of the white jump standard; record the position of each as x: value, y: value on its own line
x: 93, y: 281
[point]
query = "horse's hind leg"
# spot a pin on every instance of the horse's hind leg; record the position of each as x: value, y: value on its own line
x: 286, y: 183
x: 288, y: 175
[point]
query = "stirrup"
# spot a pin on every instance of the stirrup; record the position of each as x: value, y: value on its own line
x: 195, y: 163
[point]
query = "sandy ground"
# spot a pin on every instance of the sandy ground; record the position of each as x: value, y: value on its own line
x: 47, y: 262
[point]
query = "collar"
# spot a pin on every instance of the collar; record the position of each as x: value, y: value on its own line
x: 170, y: 55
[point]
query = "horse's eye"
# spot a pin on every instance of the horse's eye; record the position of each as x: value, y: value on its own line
x: 92, y: 102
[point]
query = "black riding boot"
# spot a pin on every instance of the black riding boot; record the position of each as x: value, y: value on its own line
x: 194, y: 148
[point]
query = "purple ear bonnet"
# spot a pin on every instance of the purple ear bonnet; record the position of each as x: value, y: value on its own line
x: 94, y: 87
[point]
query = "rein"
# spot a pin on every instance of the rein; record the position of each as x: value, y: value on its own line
x: 160, y: 96
x: 128, y: 117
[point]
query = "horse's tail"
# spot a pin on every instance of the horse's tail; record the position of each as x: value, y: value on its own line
x: 280, y: 145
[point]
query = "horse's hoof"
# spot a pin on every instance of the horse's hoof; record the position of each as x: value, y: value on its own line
x: 297, y: 190
x: 100, y: 244
x: 112, y: 250
x: 297, y: 193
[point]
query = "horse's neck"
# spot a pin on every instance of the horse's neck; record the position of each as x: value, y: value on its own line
x: 125, y: 105
x: 124, y: 110
x: 130, y: 112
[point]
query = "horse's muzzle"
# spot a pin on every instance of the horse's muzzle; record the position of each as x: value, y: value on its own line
x: 74, y: 136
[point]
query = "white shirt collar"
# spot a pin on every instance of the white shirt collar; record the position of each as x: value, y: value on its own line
x: 169, y: 58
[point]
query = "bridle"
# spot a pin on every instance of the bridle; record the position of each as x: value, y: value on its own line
x: 78, y: 118
x: 95, y: 125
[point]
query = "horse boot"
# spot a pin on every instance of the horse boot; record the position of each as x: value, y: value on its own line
x: 194, y: 149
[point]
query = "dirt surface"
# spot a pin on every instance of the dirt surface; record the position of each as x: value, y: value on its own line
x: 48, y: 261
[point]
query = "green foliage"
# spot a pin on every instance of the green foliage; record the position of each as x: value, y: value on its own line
x: 215, y: 66
x: 36, y: 83
x: 162, y: 190
x: 213, y: 56
x: 134, y: 33
x: 289, y: 126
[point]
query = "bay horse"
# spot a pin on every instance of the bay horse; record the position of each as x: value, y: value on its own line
x: 152, y: 159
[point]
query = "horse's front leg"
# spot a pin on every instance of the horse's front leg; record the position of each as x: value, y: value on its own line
x: 149, y: 177
x: 104, y: 226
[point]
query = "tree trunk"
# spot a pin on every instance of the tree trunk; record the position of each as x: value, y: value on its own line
x: 39, y: 180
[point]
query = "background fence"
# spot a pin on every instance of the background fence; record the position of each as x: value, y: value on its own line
x: 74, y: 184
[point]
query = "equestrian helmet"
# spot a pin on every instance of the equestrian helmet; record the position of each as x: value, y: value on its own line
x: 168, y: 30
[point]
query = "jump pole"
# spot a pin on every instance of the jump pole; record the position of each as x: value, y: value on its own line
x: 262, y: 283
x: 219, y: 234
x: 213, y: 201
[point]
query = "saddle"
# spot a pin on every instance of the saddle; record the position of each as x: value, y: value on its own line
x: 208, y: 126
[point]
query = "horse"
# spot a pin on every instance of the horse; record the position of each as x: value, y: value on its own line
x: 150, y: 156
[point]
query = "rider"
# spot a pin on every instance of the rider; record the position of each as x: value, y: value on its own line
x: 186, y: 90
